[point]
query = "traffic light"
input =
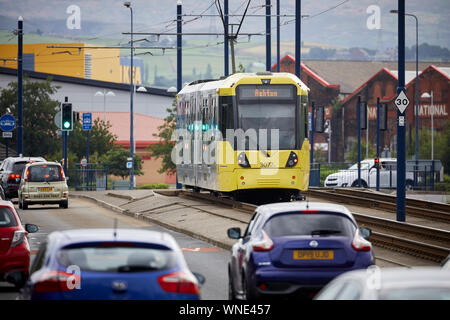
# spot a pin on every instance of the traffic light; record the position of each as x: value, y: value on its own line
x: 377, y: 162
x: 66, y: 117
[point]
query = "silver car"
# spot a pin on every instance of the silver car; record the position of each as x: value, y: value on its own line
x: 424, y: 283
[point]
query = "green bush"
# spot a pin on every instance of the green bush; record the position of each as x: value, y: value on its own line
x: 443, y: 186
x: 154, y: 186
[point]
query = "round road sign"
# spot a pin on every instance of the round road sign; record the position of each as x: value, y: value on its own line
x: 7, y: 122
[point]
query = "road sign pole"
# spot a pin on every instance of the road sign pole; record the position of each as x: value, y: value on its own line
x: 378, y: 143
x: 312, y: 132
x: 358, y: 113
x: 401, y: 116
x: 6, y: 145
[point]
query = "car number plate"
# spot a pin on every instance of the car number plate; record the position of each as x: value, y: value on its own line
x: 45, y: 189
x: 313, y: 254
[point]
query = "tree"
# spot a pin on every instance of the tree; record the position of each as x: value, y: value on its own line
x: 116, y: 160
x: 39, y: 110
x: 163, y: 149
x: 441, y: 148
x: 101, y: 140
x: 352, y: 155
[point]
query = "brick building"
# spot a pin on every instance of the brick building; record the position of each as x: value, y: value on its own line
x: 384, y: 85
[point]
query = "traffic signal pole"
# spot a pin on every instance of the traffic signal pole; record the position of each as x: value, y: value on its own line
x: 19, y: 87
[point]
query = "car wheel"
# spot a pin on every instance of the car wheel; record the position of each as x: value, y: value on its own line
x: 20, y: 204
x: 24, y: 205
x: 249, y: 293
x: 231, y: 294
x: 409, y: 185
x: 66, y: 204
x: 355, y: 184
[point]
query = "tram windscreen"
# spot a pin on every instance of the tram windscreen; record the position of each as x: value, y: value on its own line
x: 271, y: 108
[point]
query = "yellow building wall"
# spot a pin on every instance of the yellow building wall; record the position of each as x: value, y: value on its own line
x: 105, y: 64
x: 61, y: 61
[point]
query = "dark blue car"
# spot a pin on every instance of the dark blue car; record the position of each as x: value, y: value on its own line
x: 295, y: 249
x: 111, y: 264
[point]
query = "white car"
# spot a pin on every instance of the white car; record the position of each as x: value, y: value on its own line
x: 388, y: 175
x: 421, y: 283
x: 43, y: 183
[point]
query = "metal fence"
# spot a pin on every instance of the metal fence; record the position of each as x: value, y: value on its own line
x: 89, y: 177
x: 420, y: 175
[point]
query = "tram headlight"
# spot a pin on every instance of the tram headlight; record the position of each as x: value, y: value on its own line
x: 243, y: 161
x: 292, y: 161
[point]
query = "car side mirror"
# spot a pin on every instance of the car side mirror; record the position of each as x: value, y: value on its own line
x: 17, y: 278
x: 365, y: 232
x: 234, y: 233
x: 200, y: 278
x: 31, y: 228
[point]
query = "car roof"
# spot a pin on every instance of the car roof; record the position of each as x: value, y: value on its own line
x: 274, y: 208
x: 25, y: 158
x: 403, y: 277
x: 43, y: 162
x: 4, y: 203
x: 67, y: 237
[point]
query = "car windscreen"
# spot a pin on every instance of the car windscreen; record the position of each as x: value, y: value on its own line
x: 117, y: 257
x: 364, y: 165
x: 44, y: 173
x: 7, y: 218
x: 311, y: 224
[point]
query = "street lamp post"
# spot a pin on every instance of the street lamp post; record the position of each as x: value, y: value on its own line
x: 104, y: 94
x: 427, y: 95
x: 128, y: 5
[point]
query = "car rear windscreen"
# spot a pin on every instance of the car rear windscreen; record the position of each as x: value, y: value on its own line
x: 44, y: 173
x: 299, y: 224
x: 7, y: 218
x: 18, y: 167
x: 117, y: 258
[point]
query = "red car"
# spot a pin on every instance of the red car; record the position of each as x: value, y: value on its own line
x: 14, y: 247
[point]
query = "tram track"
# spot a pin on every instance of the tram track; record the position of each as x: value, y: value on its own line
x: 427, y: 243
x: 418, y: 208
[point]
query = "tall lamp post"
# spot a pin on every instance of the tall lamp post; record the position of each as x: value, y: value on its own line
x: 417, y: 83
x: 427, y: 95
x: 128, y: 5
x: 104, y: 94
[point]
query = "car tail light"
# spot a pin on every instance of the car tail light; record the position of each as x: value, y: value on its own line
x: 265, y: 244
x: 54, y: 281
x: 360, y: 244
x: 63, y: 177
x: 179, y: 282
x: 13, y: 176
x: 18, y: 237
x: 27, y: 175
x: 292, y: 160
x: 243, y: 161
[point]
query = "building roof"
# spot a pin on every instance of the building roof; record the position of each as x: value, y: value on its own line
x: 145, y: 126
x: 87, y: 82
x: 349, y: 74
x: 306, y: 69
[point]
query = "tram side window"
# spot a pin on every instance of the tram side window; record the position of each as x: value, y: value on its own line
x: 226, y: 113
x: 304, y: 108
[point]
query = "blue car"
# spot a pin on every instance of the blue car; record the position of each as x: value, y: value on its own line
x: 294, y: 249
x: 109, y: 264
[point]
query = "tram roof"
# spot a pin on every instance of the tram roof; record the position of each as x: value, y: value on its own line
x: 228, y: 82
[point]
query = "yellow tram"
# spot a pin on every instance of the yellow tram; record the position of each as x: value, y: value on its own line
x: 243, y: 134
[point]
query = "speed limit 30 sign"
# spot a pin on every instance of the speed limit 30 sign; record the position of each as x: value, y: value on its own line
x: 402, y: 102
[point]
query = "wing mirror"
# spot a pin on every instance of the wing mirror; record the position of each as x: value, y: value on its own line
x: 234, y: 233
x: 365, y: 232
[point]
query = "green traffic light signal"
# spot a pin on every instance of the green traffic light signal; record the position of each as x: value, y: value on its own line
x: 67, y: 117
